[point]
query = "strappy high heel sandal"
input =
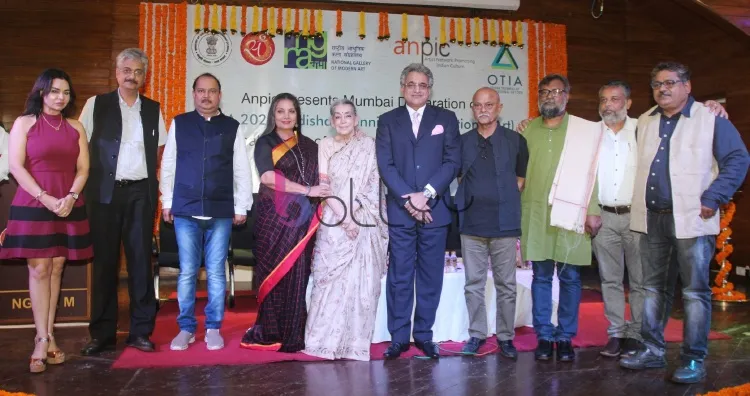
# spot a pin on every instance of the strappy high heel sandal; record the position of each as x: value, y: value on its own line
x: 55, y: 357
x: 37, y: 365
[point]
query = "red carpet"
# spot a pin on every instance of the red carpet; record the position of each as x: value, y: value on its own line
x: 592, y: 332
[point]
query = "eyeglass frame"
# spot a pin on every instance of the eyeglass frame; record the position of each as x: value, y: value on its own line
x: 669, y: 84
x: 556, y: 92
x: 135, y: 72
x: 412, y: 86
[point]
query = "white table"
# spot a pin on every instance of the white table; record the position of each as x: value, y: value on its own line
x: 452, y: 318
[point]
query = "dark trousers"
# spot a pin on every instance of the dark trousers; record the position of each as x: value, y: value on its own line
x: 129, y: 220
x: 416, y: 259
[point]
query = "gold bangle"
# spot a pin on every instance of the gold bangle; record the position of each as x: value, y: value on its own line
x: 39, y: 195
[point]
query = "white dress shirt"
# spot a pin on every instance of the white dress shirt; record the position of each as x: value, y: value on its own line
x: 617, y: 162
x: 242, y: 184
x: 415, y: 130
x: 4, y: 165
x: 131, y: 162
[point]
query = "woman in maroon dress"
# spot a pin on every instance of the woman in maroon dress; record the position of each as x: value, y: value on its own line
x: 285, y: 228
x: 48, y: 154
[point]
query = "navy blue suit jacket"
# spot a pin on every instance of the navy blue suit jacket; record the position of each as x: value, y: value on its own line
x: 407, y: 164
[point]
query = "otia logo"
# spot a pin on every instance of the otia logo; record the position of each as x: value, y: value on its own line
x: 306, y: 52
x: 504, y: 60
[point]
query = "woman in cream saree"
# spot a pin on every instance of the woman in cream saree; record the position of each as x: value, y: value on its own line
x: 349, y: 259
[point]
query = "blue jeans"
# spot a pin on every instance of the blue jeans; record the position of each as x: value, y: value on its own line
x: 693, y: 257
x: 567, y: 308
x: 194, y: 237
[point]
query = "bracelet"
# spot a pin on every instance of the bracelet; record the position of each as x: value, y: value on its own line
x: 307, y: 193
x: 39, y: 195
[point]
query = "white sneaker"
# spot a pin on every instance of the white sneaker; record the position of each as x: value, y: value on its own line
x: 214, y: 341
x: 182, y: 341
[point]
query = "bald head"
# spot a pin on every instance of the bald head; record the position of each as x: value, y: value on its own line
x: 486, y: 106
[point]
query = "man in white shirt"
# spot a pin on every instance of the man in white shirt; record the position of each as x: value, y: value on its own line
x: 126, y: 131
x: 616, y: 247
x: 206, y: 186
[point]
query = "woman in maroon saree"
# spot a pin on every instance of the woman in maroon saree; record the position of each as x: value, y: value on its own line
x: 285, y: 228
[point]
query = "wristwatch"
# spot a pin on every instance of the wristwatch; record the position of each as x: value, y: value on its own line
x: 74, y: 195
x: 428, y: 194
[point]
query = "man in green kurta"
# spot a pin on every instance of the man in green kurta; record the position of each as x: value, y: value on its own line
x: 545, y: 245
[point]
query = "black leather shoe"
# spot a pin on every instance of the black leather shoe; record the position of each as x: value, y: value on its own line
x: 543, y: 350
x: 97, y: 345
x: 395, y: 350
x: 631, y: 347
x: 141, y: 343
x: 644, y: 359
x: 613, y: 348
x: 690, y: 372
x: 507, y: 349
x: 565, y: 351
x: 429, y: 348
x: 472, y: 346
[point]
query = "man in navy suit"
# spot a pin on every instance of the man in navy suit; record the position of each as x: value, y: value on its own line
x: 419, y: 154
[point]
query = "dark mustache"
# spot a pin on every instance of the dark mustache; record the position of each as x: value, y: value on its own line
x: 131, y: 81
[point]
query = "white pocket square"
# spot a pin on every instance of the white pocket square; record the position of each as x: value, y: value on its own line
x: 437, y: 130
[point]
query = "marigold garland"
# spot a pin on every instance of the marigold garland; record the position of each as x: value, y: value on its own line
x: 319, y: 22
x: 215, y: 18
x: 404, y: 27
x: 288, y: 25
x: 513, y: 33
x: 519, y: 34
x: 533, y: 69
x: 386, y: 26
x: 493, y: 33
x: 741, y: 390
x: 206, y: 18
x: 362, y: 31
x: 725, y: 290
x: 255, y: 27
x: 224, y: 18
x: 477, y: 31
x: 460, y: 31
x: 313, y: 28
x: 6, y: 393
x: 381, y: 27
x: 280, y: 21
x: 468, y: 32
x: 426, y: 23
x: 507, y: 39
x: 243, y: 21
x: 443, y: 40
x: 501, y: 32
x: 156, y: 56
x: 305, y: 23
x: 233, y: 20
x: 339, y: 24
x: 264, y: 21
x: 196, y: 18
x: 296, y: 31
x: 271, y: 28
x: 485, y: 32
x: 142, y: 25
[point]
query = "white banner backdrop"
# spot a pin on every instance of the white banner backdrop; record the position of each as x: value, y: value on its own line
x: 319, y: 70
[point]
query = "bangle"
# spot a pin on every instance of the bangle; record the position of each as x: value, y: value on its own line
x: 39, y: 195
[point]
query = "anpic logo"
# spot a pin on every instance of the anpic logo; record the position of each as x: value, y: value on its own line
x: 425, y: 48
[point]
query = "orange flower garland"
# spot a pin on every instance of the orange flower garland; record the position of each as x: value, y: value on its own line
x: 224, y: 18
x: 486, y: 33
x: 381, y: 27
x: 141, y: 26
x: 319, y: 23
x: 6, y: 393
x: 255, y: 28
x: 156, y: 56
x: 501, y: 32
x: 404, y: 27
x: 313, y: 27
x: 741, y: 390
x: 468, y: 32
x: 215, y: 18
x: 386, y: 26
x: 339, y: 24
x: 296, y: 31
x: 533, y: 69
x: 196, y: 19
x: 493, y: 33
x: 476, y: 31
x: 513, y: 33
x: 280, y: 21
x: 426, y: 27
x: 243, y: 21
x: 271, y: 28
x: 206, y: 17
x: 519, y: 33
x: 362, y: 27
x: 264, y: 25
x: 443, y: 40
x: 288, y: 24
x: 453, y: 30
x: 725, y: 290
x: 460, y: 31
x: 305, y: 23
x: 233, y: 20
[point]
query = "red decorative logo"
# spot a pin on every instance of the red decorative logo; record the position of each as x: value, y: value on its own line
x: 257, y: 49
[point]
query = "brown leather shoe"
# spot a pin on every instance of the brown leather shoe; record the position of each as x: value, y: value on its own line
x: 613, y: 347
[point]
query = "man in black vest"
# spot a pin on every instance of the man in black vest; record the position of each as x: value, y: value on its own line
x: 125, y: 132
x: 206, y: 186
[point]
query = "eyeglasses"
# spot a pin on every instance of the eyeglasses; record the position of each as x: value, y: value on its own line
x: 202, y: 91
x: 128, y: 71
x: 667, y: 83
x: 412, y: 86
x: 554, y: 92
x: 483, y: 106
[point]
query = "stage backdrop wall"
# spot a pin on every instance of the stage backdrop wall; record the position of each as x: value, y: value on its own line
x: 326, y: 55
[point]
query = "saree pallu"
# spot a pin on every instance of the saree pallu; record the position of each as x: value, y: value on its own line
x: 285, y: 231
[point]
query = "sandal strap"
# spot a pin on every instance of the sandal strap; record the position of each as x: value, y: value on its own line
x: 37, y: 340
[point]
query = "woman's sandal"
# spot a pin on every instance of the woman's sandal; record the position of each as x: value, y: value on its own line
x: 38, y: 365
x: 55, y: 357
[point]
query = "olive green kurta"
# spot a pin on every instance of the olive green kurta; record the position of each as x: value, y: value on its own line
x: 539, y: 240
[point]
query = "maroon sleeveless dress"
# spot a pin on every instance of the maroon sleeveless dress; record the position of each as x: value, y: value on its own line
x: 34, y: 231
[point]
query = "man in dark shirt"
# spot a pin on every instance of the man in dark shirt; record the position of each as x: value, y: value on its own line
x: 690, y: 162
x: 493, y: 168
